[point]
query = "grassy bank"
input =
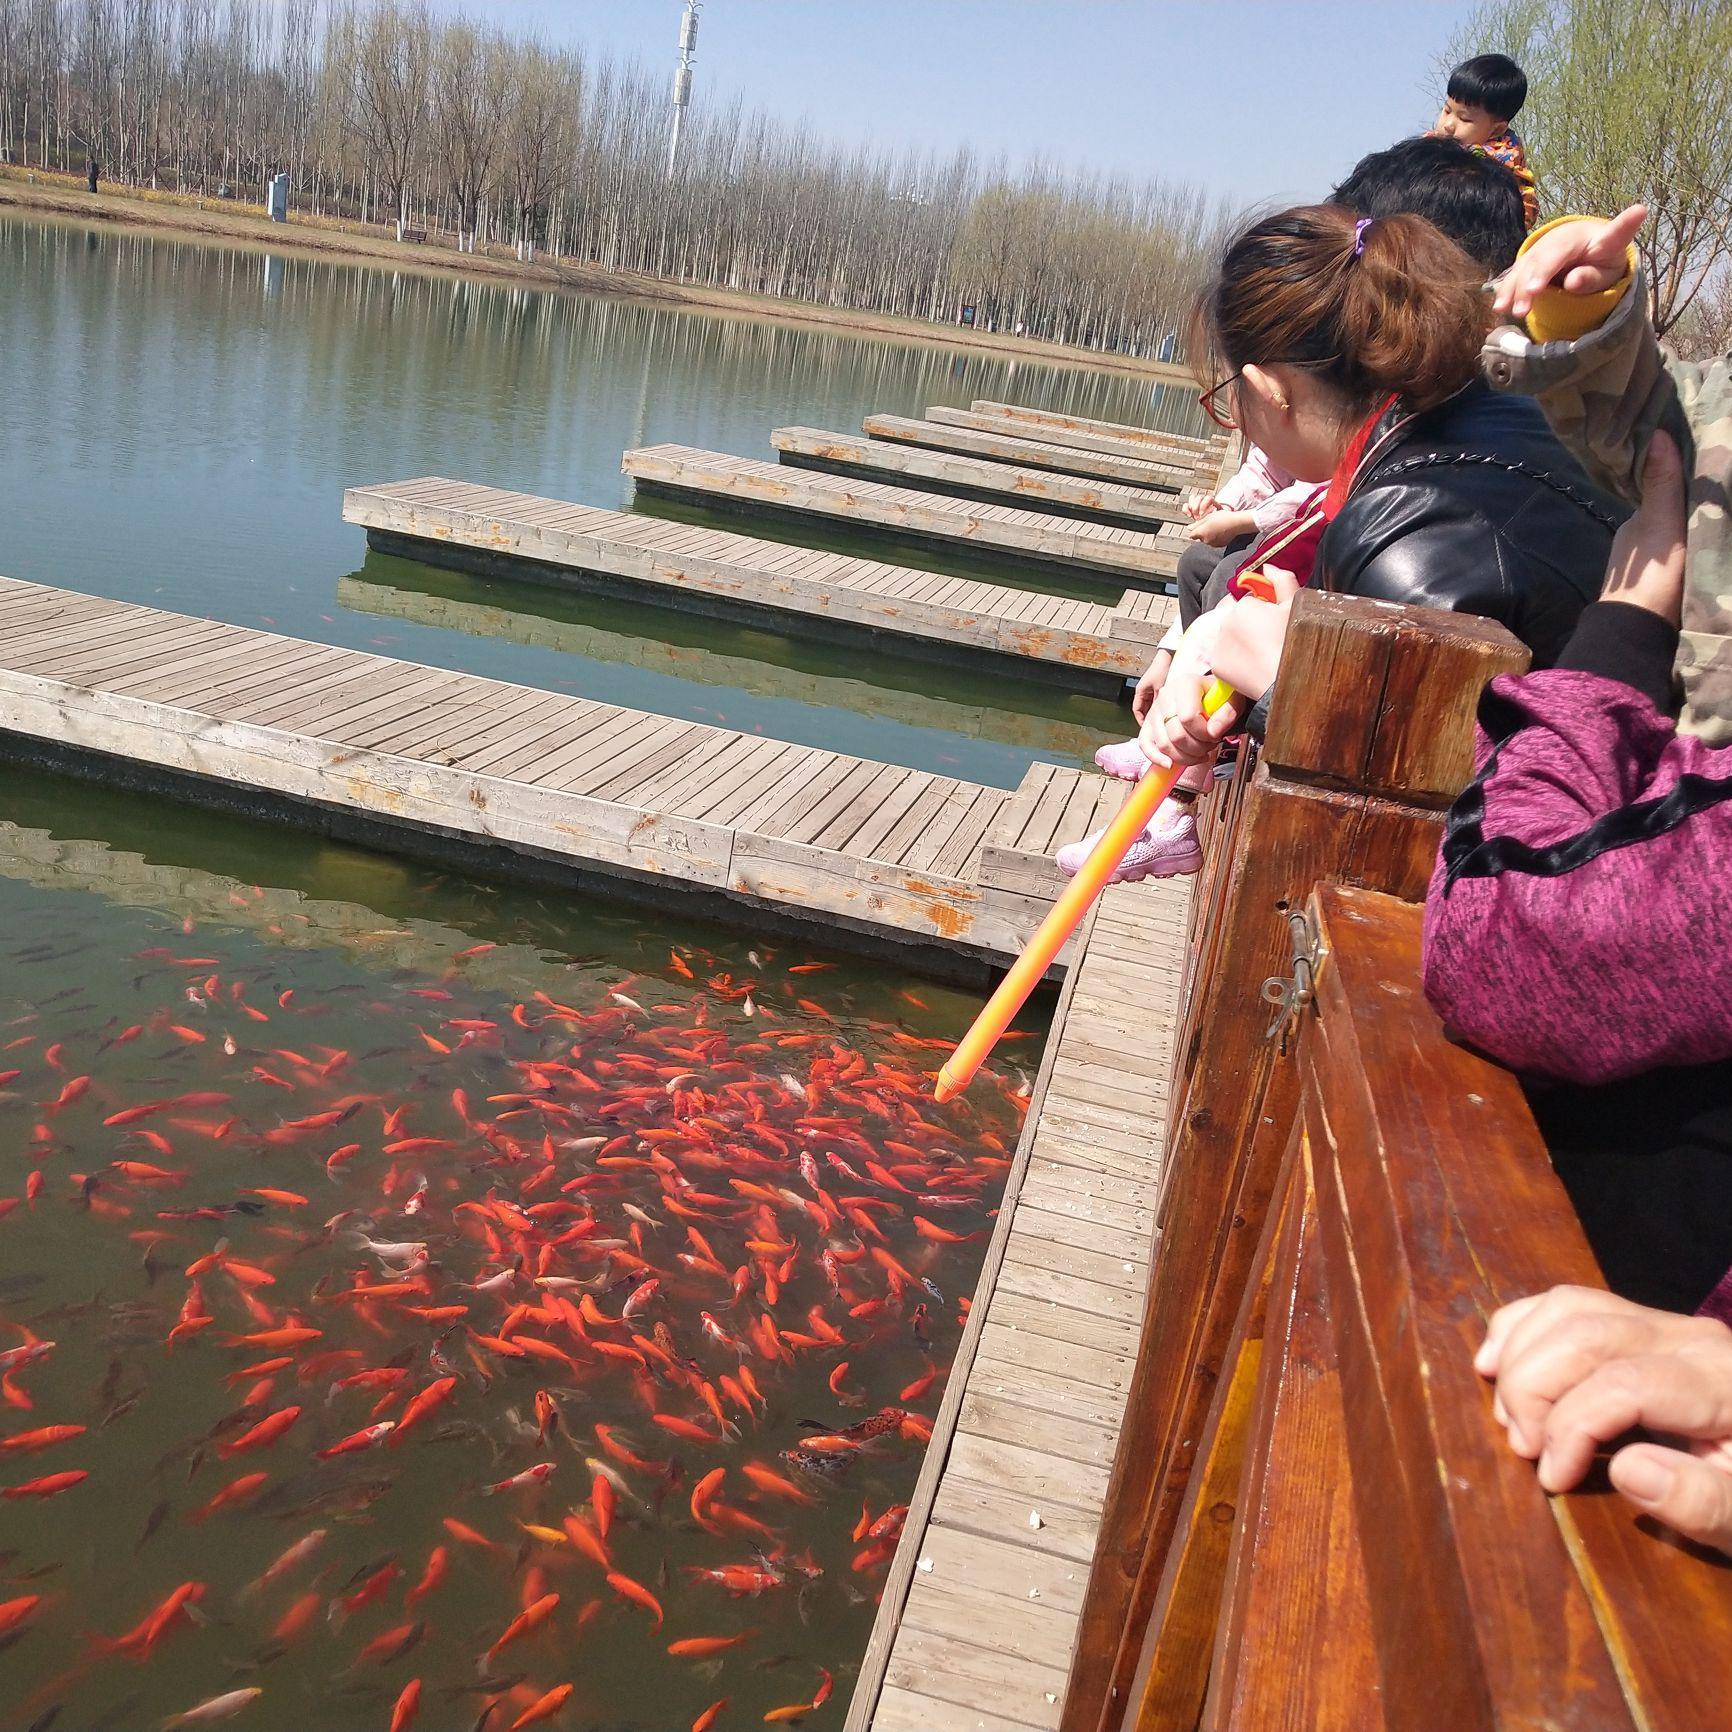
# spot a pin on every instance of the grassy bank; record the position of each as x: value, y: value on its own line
x: 236, y: 223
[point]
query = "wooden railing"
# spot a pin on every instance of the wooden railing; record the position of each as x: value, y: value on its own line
x: 1312, y: 1521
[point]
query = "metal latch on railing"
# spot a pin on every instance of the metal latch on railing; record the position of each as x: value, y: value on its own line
x: 1290, y: 995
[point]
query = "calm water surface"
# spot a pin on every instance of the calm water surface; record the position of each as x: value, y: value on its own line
x: 187, y: 417
x: 234, y: 1056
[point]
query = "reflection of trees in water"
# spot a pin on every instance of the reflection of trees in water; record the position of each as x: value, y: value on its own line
x: 505, y: 375
x: 878, y: 684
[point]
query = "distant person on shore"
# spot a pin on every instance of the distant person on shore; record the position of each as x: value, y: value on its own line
x: 1483, y: 96
x: 92, y: 169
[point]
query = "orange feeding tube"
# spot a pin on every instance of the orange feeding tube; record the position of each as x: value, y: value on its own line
x: 1030, y: 968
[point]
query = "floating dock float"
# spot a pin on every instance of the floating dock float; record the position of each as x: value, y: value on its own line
x: 1030, y: 453
x: 1193, y: 468
x: 1080, y: 643
x: 976, y: 478
x: 1191, y: 448
x: 1016, y: 534
x: 418, y: 757
x: 980, y: 1611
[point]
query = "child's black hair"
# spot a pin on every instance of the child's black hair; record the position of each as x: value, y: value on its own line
x: 1474, y: 199
x: 1490, y: 81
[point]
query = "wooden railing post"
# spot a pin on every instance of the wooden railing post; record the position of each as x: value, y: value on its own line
x: 1457, y: 1594
x: 1369, y: 739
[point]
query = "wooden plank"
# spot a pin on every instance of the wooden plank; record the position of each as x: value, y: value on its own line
x: 974, y: 478
x: 674, y: 563
x: 1076, y: 544
x: 1029, y: 453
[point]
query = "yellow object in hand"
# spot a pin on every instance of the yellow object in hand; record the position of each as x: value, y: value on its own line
x: 1557, y: 316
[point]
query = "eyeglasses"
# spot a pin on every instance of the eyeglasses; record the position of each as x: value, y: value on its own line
x: 1208, y: 402
x: 1215, y: 410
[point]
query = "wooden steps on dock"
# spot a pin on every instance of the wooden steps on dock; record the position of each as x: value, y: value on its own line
x: 980, y: 1610
x: 1190, y: 447
x: 270, y: 721
x: 1189, y: 466
x: 687, y: 564
x: 1031, y: 453
x: 976, y: 477
x: 1016, y: 534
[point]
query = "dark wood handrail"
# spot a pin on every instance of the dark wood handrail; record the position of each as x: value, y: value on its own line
x: 1369, y: 739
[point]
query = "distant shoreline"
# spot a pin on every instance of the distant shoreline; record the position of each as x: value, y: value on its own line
x: 236, y: 223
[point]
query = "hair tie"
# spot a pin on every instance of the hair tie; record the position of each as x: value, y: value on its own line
x: 1359, y: 229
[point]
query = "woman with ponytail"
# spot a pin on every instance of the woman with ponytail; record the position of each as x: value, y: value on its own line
x: 1348, y: 349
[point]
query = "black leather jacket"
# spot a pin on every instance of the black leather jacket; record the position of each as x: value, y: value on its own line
x: 1474, y: 507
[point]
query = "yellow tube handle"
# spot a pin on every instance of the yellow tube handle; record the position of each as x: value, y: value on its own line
x: 1063, y: 918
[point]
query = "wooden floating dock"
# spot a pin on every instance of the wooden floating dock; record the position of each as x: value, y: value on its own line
x: 1030, y: 453
x: 1191, y: 469
x: 980, y: 1611
x: 1191, y: 448
x: 487, y: 528
x: 1017, y: 535
x: 976, y: 478
x: 238, y: 716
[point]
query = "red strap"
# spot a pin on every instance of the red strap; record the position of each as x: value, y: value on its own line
x: 1346, y: 471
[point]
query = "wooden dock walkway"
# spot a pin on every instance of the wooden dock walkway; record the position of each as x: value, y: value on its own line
x: 421, y: 754
x: 980, y: 1610
x: 1192, y: 468
x: 1030, y: 453
x: 976, y: 478
x: 1084, y: 643
x: 1017, y: 535
x: 1191, y: 448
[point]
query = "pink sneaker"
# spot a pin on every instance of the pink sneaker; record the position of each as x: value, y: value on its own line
x: 1167, y: 849
x: 1123, y: 759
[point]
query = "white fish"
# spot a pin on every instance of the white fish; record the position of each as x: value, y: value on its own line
x: 217, y: 1708
x: 393, y: 1250
x: 629, y: 1003
x: 748, y: 1007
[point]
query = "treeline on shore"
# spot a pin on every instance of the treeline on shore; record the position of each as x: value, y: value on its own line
x: 378, y: 110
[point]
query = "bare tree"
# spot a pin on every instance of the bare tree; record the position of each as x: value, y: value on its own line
x: 390, y: 83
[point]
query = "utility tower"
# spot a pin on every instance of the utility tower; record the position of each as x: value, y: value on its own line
x: 683, y: 79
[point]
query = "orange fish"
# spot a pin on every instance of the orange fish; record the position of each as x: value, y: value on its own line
x: 710, y: 1715
x: 268, y: 1430
x: 701, y: 1647
x: 290, y: 1335
x: 431, y: 1577
x: 422, y: 1404
x: 297, y: 1618
x: 14, y: 1612
x: 636, y: 1592
x: 587, y: 1541
x: 407, y: 1704
x: 234, y: 1492
x: 601, y: 1500
x: 525, y: 1621
x: 48, y: 1486
x: 41, y: 1437
x: 543, y: 1708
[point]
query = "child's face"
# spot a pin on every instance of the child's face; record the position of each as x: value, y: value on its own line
x: 1466, y: 124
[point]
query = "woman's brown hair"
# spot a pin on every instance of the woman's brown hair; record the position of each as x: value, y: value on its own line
x: 1393, y: 306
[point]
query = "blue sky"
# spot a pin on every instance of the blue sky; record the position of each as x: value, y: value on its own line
x: 1254, y: 99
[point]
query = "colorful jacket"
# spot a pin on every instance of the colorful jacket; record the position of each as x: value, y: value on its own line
x: 1606, y: 394
x: 1508, y: 149
x: 1578, y: 924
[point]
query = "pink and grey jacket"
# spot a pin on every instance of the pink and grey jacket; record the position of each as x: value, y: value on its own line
x: 1579, y: 922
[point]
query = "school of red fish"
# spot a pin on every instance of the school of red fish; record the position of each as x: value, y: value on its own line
x: 628, y: 1309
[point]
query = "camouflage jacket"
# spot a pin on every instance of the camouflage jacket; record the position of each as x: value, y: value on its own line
x: 1605, y: 395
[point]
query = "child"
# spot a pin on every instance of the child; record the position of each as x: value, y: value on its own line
x: 1590, y: 356
x: 1483, y: 96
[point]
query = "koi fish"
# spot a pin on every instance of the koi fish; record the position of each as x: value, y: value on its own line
x: 530, y: 1618
x: 50, y: 1485
x: 222, y: 1707
x: 543, y: 1707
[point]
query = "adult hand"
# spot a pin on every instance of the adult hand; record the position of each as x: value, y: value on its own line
x: 1646, y: 567
x: 1581, y: 257
x: 1577, y: 1367
x: 1176, y: 731
x: 1153, y: 679
x: 1248, y: 649
x: 1217, y: 527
